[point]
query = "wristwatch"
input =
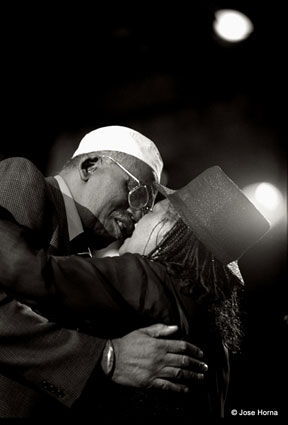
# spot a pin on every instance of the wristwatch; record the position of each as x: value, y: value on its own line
x: 108, y: 358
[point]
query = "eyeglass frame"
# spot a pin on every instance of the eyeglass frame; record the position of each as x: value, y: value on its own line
x: 145, y: 208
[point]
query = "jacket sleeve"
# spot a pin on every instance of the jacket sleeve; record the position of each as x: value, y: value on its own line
x: 120, y: 293
x: 55, y: 360
x: 52, y: 359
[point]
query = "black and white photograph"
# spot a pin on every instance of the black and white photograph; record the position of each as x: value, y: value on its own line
x: 172, y: 304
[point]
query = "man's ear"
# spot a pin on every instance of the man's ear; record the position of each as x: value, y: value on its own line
x: 87, y: 167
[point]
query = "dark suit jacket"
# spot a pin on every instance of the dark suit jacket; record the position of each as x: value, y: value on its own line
x: 42, y: 366
x: 115, y: 296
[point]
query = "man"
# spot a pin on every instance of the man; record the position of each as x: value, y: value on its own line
x: 97, y: 197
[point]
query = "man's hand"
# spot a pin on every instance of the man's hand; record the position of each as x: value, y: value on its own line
x: 143, y: 359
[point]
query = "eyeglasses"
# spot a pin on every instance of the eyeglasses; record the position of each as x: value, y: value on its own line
x: 139, y: 197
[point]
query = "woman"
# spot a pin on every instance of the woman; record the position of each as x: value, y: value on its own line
x: 179, y: 267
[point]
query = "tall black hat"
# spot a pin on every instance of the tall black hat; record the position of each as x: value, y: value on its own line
x: 220, y: 215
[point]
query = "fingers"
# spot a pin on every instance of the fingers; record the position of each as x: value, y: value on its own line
x: 182, y: 375
x: 184, y: 347
x: 160, y: 330
x: 165, y: 385
x: 185, y: 362
x: 173, y: 346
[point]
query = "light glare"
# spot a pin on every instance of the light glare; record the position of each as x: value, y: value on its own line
x: 268, y: 199
x: 232, y: 25
x: 268, y: 195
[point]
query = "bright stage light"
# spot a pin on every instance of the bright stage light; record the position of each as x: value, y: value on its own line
x: 268, y: 199
x: 268, y: 196
x: 232, y: 25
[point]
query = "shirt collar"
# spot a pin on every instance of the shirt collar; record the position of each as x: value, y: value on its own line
x: 74, y: 223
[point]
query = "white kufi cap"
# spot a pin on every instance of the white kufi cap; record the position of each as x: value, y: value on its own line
x: 122, y: 139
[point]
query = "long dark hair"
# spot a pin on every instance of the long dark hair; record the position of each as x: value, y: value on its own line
x: 212, y: 285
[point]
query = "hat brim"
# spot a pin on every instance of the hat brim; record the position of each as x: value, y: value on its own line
x: 165, y: 191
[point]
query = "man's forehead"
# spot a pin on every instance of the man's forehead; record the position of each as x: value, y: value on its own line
x: 137, y: 167
x: 145, y: 174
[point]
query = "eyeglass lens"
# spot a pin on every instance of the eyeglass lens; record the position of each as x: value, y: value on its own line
x: 138, y: 197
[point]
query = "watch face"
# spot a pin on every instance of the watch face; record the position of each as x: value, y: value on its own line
x: 109, y: 358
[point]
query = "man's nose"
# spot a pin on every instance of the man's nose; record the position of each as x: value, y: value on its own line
x: 136, y: 214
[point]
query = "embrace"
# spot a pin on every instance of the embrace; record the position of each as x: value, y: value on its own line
x: 147, y: 332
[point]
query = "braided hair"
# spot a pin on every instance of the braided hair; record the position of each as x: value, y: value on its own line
x: 202, y: 276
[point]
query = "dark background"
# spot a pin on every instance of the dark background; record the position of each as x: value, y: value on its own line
x: 162, y: 71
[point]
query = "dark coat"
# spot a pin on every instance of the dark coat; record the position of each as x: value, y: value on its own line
x: 41, y: 364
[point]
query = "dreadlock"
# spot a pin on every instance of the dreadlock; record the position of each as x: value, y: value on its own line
x: 202, y: 276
